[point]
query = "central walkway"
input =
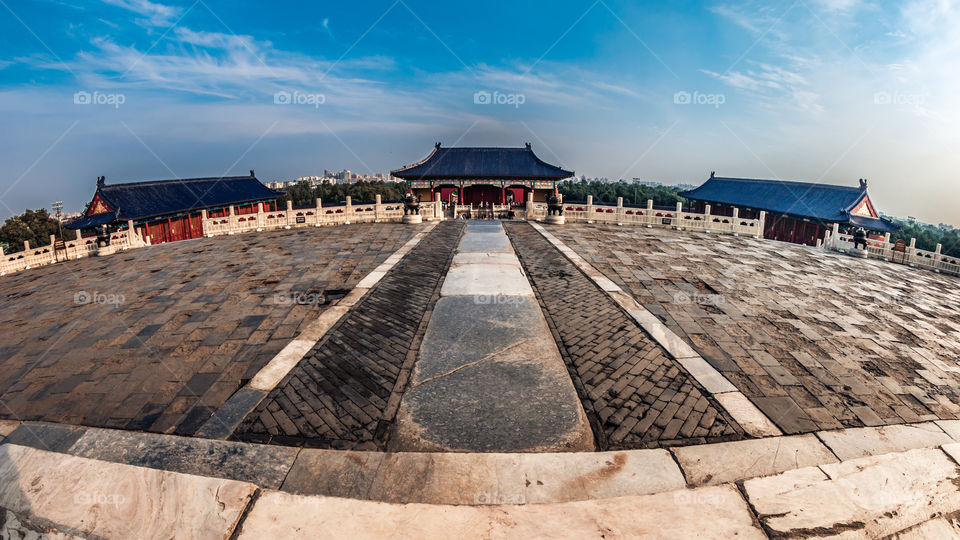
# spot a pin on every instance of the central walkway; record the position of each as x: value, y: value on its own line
x: 489, y: 377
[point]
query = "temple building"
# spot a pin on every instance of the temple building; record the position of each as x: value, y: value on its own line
x: 480, y: 176
x: 169, y: 210
x: 798, y: 212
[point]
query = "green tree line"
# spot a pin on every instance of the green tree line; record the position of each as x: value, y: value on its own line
x: 604, y: 192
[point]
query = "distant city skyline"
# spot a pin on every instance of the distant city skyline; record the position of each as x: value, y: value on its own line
x: 811, y: 90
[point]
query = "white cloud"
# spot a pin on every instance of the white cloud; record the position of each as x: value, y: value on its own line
x: 156, y: 14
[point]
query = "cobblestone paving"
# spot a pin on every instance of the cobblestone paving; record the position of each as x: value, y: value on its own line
x: 815, y: 340
x: 636, y: 395
x: 345, y: 392
x: 191, y: 321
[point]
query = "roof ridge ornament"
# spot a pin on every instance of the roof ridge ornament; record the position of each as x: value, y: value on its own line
x: 713, y: 173
x: 527, y: 145
x: 101, y: 180
x: 863, y: 184
x: 437, y: 145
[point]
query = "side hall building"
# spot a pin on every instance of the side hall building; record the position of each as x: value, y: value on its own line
x: 482, y: 175
x: 797, y: 212
x: 170, y: 210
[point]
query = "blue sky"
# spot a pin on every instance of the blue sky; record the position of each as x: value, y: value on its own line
x: 815, y: 90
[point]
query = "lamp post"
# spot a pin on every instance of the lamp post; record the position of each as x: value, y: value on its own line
x: 58, y: 208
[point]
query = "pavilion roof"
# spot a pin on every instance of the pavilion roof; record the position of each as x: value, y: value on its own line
x: 482, y: 163
x: 138, y: 200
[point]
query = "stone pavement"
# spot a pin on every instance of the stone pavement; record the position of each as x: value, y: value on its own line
x: 815, y: 340
x: 156, y: 339
x: 634, y: 392
x: 489, y: 377
x: 345, y: 392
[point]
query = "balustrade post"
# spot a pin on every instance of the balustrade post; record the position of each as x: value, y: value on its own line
x: 531, y: 216
x: 376, y: 209
x: 760, y: 224
x: 619, y: 210
x: 347, y: 210
x: 319, y: 212
x: 131, y: 234
x: 936, y: 258
x: 289, y: 215
x: 53, y: 248
x: 589, y: 208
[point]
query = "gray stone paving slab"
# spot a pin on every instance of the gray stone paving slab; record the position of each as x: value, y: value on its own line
x: 464, y: 332
x: 484, y: 226
x: 50, y: 437
x: 265, y: 466
x: 486, y: 242
x: 486, y: 280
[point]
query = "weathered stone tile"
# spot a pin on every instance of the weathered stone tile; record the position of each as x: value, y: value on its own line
x: 870, y: 497
x: 50, y: 437
x: 334, y: 473
x: 871, y: 441
x: 110, y: 500
x: 262, y: 465
x: 486, y: 280
x: 713, y: 511
x: 720, y: 463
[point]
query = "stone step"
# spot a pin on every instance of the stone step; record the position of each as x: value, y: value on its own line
x: 471, y: 478
x: 913, y: 494
x: 909, y: 494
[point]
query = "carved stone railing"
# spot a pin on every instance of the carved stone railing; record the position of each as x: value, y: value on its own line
x: 649, y: 216
x: 883, y: 249
x: 77, y: 248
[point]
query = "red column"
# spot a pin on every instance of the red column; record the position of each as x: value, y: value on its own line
x: 503, y: 195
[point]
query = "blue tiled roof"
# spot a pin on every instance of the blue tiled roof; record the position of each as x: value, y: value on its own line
x: 481, y: 163
x: 820, y: 202
x: 141, y: 200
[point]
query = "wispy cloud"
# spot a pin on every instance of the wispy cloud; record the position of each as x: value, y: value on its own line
x: 156, y: 14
